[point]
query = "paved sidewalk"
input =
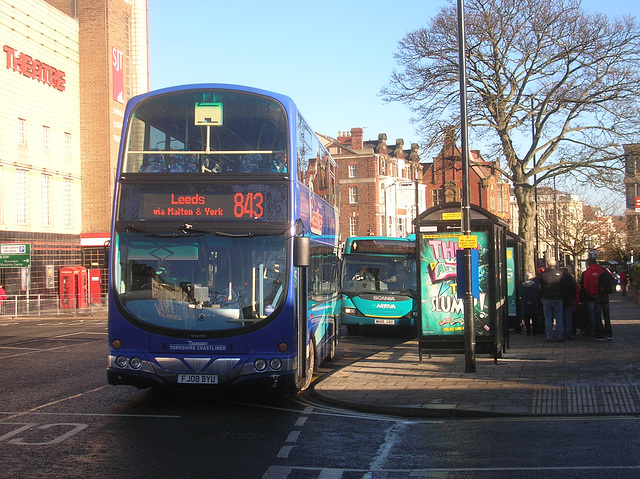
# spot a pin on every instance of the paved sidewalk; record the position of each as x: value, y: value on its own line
x: 580, y: 376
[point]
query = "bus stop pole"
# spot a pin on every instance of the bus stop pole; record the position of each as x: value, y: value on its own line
x: 469, y: 333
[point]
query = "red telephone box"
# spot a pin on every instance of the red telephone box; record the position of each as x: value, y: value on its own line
x: 67, y: 288
x: 82, y: 286
x: 73, y: 287
x: 95, y: 288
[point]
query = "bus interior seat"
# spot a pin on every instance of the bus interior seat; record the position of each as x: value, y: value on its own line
x: 251, y: 163
x: 153, y: 164
x: 184, y: 164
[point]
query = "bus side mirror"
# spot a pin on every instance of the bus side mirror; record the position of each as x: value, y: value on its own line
x: 301, y: 251
x: 106, y: 249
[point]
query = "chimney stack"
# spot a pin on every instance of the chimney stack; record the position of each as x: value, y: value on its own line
x: 357, y: 138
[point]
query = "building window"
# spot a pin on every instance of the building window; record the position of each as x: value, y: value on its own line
x: 45, y: 193
x: 45, y: 138
x: 353, y: 226
x: 353, y: 171
x: 67, y: 203
x: 1, y: 194
x: 500, y: 205
x: 353, y: 195
x: 450, y: 194
x: 436, y: 197
x: 631, y: 165
x: 21, y: 197
x: 22, y: 132
x: 67, y: 145
x: 127, y: 56
x: 402, y: 227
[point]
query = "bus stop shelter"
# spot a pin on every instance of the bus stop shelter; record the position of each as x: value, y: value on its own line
x: 440, y: 308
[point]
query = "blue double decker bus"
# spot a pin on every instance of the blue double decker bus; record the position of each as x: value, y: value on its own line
x: 224, y: 261
x: 379, y: 282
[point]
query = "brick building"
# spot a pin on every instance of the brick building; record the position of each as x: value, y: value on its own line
x: 443, y: 180
x: 70, y: 66
x: 377, y: 187
x: 632, y: 186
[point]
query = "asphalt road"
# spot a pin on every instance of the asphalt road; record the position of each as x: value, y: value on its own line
x: 59, y: 418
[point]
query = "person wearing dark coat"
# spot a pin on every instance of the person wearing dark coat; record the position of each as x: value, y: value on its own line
x: 551, y: 293
x: 529, y: 302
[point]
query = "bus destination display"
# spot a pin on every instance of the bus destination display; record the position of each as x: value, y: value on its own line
x: 247, y: 205
x: 203, y: 202
x: 381, y: 247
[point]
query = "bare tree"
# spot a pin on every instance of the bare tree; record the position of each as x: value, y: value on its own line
x: 572, y: 228
x: 625, y: 242
x: 551, y: 88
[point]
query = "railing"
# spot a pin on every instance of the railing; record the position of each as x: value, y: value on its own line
x: 52, y: 304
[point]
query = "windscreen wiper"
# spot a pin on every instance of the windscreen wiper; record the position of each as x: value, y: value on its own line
x: 147, y: 232
x: 131, y: 228
x: 189, y: 229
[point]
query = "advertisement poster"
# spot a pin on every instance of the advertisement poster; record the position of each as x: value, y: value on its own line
x: 511, y: 282
x: 442, y: 310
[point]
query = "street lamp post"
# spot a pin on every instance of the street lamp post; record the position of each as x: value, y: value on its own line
x: 469, y: 333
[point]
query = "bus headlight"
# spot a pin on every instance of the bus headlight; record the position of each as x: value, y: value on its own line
x: 260, y: 364
x: 349, y: 311
x: 121, y: 362
x: 135, y: 362
x: 275, y: 363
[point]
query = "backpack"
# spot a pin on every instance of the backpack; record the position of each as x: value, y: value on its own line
x: 606, y: 283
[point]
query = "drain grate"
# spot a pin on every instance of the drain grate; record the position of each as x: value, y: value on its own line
x: 586, y: 400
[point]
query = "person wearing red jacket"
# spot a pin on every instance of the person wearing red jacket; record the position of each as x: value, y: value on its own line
x: 600, y: 300
x: 623, y: 282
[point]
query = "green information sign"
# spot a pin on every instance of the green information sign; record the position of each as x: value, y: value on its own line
x: 14, y: 255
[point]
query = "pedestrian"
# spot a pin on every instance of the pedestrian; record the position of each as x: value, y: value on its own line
x: 599, y: 300
x: 551, y: 292
x: 569, y: 294
x: 3, y: 298
x: 624, y: 278
x: 581, y: 313
x: 601, y: 306
x: 529, y: 304
x: 589, y: 291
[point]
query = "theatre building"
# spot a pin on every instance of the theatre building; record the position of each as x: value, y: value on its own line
x: 67, y: 69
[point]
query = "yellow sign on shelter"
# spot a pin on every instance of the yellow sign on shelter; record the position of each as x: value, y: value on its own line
x: 467, y: 242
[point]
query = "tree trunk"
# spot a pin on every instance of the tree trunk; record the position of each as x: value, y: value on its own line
x: 527, y: 210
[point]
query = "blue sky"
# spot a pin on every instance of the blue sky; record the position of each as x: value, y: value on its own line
x: 332, y: 57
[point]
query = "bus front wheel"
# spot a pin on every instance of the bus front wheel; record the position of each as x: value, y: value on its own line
x: 353, y: 328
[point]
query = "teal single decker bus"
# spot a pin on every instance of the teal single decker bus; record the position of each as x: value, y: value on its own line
x: 379, y: 282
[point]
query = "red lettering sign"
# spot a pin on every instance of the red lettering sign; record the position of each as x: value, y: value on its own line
x: 187, y: 200
x: 29, y: 67
x: 637, y: 203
